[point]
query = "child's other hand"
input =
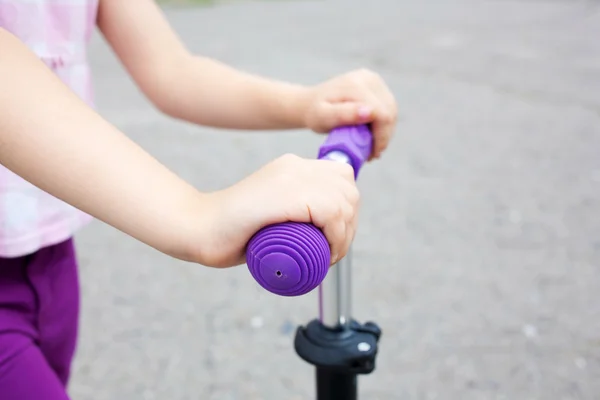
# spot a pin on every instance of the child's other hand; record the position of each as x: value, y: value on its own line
x: 287, y: 189
x: 353, y: 98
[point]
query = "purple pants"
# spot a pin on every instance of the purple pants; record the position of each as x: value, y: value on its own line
x: 39, y: 307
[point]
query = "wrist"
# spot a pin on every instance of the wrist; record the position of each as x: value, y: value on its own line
x: 190, y: 237
x: 296, y: 105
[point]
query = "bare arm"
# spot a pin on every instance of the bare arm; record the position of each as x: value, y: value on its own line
x: 51, y: 138
x: 194, y: 88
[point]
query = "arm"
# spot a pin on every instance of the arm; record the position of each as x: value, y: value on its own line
x: 51, y: 138
x: 206, y: 92
x: 193, y: 88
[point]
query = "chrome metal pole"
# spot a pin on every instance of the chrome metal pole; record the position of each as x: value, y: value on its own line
x: 335, y: 295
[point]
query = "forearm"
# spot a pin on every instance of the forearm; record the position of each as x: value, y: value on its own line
x: 192, y: 88
x: 210, y: 93
x: 51, y: 138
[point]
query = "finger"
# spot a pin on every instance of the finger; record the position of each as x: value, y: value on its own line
x: 349, y: 213
x: 350, y: 233
x: 350, y: 191
x: 335, y: 232
x: 327, y: 211
x: 345, y: 171
x: 383, y: 127
x: 379, y: 116
x: 346, y: 207
x: 352, y: 223
x: 381, y: 124
x: 333, y: 115
x: 377, y: 84
x: 384, y: 122
x: 384, y: 93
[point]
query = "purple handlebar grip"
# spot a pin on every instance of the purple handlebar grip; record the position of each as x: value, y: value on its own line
x: 354, y: 141
x: 292, y: 258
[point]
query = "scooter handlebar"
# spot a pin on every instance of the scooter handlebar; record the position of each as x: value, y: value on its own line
x: 292, y: 258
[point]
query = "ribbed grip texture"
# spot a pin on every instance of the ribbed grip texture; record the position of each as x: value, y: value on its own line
x: 289, y: 259
x: 292, y: 258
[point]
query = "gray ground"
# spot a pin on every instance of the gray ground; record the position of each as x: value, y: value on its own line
x: 479, y: 244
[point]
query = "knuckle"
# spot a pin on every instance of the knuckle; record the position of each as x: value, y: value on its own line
x: 349, y: 213
x: 331, y: 211
x: 364, y: 71
x: 345, y: 210
x: 286, y: 168
x: 363, y: 77
x: 370, y: 75
x: 346, y: 170
x: 354, y: 196
x: 357, y: 80
x: 339, y: 169
x: 340, y: 211
x: 289, y: 157
x: 358, y: 77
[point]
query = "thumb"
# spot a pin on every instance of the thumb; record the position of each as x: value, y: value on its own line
x: 333, y: 115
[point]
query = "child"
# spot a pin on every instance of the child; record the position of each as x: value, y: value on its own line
x: 63, y: 164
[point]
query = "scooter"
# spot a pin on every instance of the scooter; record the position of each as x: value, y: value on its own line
x: 292, y: 259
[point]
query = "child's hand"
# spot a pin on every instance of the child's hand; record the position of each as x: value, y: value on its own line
x: 353, y: 98
x: 287, y: 189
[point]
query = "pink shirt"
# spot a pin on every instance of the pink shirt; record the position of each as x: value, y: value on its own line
x: 58, y: 31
